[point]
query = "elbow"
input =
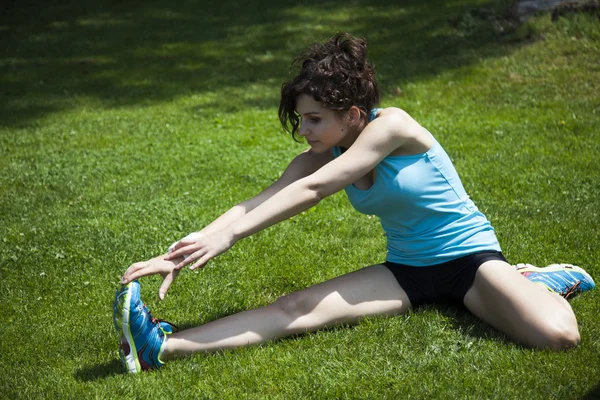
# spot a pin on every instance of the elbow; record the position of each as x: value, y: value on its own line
x: 315, y: 197
x: 316, y: 190
x: 317, y: 193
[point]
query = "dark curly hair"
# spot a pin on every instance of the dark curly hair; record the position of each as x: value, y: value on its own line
x: 335, y: 73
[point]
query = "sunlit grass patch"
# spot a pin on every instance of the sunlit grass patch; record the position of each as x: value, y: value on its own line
x: 123, y: 128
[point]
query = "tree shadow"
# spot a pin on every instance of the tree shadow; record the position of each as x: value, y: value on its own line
x: 111, y: 54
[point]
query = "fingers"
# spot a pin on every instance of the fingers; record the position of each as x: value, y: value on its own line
x: 192, y: 237
x: 133, y: 268
x: 164, y: 287
x: 176, y: 246
x: 191, y: 258
x: 136, y: 275
x: 203, y: 260
x: 138, y: 272
x: 181, y: 249
x: 183, y: 243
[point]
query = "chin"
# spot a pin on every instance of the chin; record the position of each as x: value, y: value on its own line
x: 319, y: 149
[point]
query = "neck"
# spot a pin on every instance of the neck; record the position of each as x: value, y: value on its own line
x: 352, y: 135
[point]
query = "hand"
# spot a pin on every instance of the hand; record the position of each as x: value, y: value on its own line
x: 158, y: 265
x: 202, y: 249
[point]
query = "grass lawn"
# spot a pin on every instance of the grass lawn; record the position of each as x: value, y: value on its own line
x: 124, y: 126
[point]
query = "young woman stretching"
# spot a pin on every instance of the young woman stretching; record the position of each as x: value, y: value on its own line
x: 440, y: 248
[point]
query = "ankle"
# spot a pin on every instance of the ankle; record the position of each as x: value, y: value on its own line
x: 167, y: 351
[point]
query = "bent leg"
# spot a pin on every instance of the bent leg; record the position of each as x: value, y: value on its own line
x: 525, y: 311
x: 344, y: 300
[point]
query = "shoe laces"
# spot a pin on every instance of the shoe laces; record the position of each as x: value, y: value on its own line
x: 572, y: 290
x: 158, y: 321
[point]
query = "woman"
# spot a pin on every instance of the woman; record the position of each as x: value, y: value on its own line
x: 440, y: 248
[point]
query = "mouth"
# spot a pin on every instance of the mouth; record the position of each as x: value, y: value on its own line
x: 312, y: 142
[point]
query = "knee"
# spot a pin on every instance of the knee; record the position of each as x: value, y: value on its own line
x: 562, y: 335
x: 292, y: 306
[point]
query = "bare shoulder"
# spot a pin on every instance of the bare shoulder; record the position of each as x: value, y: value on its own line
x: 416, y: 138
x: 400, y: 120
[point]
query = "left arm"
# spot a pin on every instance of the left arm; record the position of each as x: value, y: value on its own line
x: 378, y: 139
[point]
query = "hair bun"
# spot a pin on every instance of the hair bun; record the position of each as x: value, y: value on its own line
x: 342, y: 52
x: 354, y: 49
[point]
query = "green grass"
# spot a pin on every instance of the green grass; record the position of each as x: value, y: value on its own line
x: 124, y: 126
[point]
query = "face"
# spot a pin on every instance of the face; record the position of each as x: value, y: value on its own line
x: 321, y: 127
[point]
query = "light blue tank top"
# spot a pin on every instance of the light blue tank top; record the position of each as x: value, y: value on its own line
x: 424, y: 210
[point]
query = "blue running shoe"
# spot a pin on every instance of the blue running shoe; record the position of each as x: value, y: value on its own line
x: 142, y: 336
x: 564, y: 279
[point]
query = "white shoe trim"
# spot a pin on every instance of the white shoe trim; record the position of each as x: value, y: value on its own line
x: 133, y: 364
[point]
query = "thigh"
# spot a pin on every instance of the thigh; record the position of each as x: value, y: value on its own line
x: 369, y: 291
x: 523, y: 310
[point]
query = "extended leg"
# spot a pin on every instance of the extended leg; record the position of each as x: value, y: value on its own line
x: 343, y: 300
x: 525, y: 311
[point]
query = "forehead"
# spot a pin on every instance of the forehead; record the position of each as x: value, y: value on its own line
x: 306, y: 104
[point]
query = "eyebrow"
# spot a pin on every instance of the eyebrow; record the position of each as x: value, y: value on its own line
x: 309, y: 113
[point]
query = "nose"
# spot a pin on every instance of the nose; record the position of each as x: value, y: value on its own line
x: 302, y: 130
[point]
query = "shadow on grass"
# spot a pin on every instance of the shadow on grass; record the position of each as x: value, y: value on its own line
x: 463, y: 321
x: 100, y: 371
x: 120, y: 54
x: 593, y: 394
x: 470, y: 326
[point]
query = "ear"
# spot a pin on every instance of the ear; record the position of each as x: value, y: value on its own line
x: 354, y: 115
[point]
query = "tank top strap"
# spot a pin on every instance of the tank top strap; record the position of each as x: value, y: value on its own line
x: 373, y: 113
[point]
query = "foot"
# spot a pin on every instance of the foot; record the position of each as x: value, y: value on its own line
x: 143, y: 337
x: 564, y: 279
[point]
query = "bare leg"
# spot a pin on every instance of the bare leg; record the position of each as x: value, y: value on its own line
x: 523, y: 310
x: 370, y: 291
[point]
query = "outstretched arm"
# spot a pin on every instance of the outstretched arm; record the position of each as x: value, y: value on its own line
x: 378, y: 140
x: 303, y: 165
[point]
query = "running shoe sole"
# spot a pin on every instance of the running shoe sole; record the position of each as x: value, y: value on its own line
x: 128, y: 351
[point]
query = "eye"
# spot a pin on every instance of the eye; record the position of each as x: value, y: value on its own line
x: 314, y: 120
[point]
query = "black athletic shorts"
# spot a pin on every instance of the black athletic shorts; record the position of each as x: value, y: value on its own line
x: 441, y: 283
